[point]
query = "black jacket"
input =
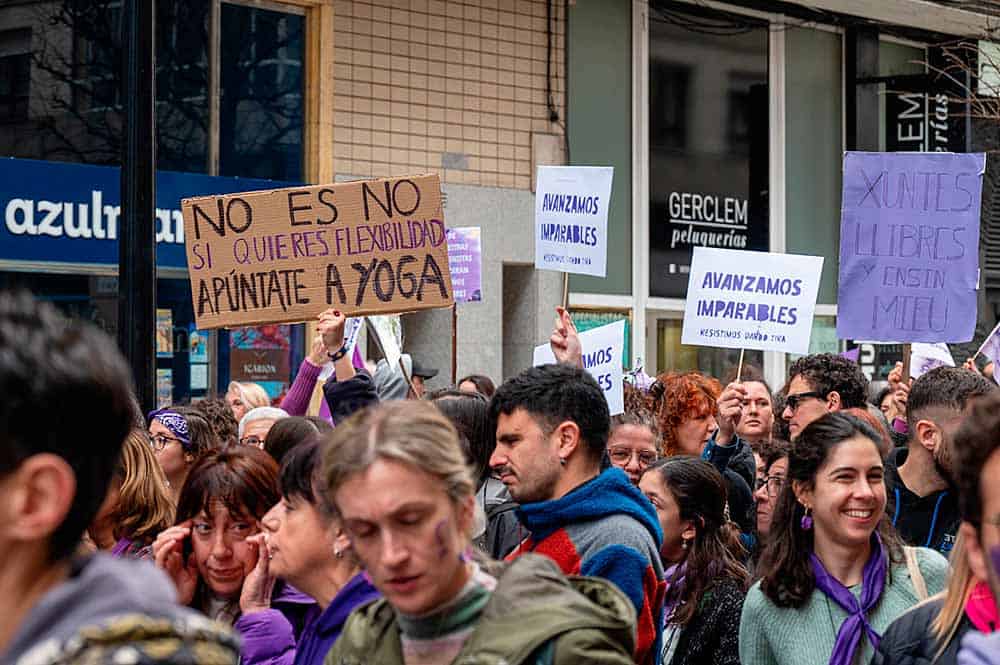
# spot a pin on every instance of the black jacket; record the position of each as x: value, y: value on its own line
x: 346, y: 397
x: 908, y: 639
x: 712, y: 635
x: 922, y: 521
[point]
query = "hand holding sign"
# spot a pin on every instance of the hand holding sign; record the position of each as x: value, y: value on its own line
x: 565, y: 341
x: 730, y: 406
x: 599, y: 353
x: 331, y: 329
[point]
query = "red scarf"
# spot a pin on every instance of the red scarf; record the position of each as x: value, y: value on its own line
x: 982, y: 609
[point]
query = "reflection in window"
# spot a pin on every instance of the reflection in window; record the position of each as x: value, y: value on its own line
x: 261, y: 104
x: 668, y: 104
x: 15, y: 74
x: 739, y: 111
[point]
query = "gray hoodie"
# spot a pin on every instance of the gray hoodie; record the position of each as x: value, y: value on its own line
x: 117, y: 610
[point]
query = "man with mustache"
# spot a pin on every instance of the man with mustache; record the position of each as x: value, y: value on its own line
x: 922, y: 502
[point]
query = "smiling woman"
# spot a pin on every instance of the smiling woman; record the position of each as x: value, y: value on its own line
x: 829, y: 534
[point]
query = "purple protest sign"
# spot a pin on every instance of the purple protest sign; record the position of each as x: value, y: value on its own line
x: 909, y: 246
x: 465, y: 251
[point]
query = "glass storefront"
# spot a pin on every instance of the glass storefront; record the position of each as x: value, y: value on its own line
x: 60, y: 101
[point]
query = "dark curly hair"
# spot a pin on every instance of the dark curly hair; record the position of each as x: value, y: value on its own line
x: 785, y: 570
x: 975, y: 442
x: 827, y: 373
x: 220, y: 416
x: 680, y: 397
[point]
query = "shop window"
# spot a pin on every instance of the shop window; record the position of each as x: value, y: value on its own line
x: 708, y: 169
x: 668, y: 105
x: 15, y: 74
x: 261, y: 119
x: 672, y: 356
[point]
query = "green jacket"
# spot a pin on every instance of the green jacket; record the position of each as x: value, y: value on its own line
x: 536, y: 616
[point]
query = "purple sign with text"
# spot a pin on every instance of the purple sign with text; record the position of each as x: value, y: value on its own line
x: 465, y: 251
x: 909, y: 246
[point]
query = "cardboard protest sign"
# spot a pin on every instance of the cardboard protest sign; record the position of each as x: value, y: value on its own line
x: 285, y: 255
x: 909, y: 246
x: 465, y: 252
x: 571, y: 218
x: 602, y: 357
x: 751, y: 300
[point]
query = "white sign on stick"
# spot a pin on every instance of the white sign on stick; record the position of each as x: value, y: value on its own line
x: 571, y: 218
x: 602, y: 358
x: 751, y: 300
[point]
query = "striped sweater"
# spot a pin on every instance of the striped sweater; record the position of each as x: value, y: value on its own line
x: 605, y: 528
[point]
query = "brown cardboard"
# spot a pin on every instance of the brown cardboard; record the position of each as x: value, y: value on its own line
x: 285, y: 255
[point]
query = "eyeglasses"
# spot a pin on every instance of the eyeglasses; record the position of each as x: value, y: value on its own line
x: 794, y: 401
x: 161, y: 441
x: 773, y: 483
x: 622, y: 456
x: 252, y: 440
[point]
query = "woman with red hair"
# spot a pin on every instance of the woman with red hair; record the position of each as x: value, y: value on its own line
x: 685, y: 407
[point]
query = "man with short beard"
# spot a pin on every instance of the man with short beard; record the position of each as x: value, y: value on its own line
x: 552, y: 426
x: 922, y: 502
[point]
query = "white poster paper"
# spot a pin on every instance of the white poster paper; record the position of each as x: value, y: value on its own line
x: 571, y: 218
x: 925, y: 357
x: 602, y: 357
x: 751, y: 300
x: 389, y: 330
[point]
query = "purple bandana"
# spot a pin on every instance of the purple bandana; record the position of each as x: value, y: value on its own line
x: 174, y: 422
x: 872, y: 585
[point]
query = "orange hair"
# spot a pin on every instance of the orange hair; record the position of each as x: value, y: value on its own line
x: 679, y: 397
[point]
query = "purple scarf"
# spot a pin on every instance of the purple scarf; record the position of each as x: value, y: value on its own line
x: 174, y: 422
x: 872, y: 585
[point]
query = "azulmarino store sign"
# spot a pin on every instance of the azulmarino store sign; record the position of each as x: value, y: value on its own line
x: 69, y: 213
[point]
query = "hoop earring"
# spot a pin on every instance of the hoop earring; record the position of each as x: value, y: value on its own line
x: 807, y: 521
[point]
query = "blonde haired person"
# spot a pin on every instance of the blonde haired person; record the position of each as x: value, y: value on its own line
x: 242, y: 396
x: 397, y: 478
x: 138, y: 504
x: 933, y: 630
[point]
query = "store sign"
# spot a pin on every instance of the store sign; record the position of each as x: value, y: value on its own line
x: 931, y: 119
x: 57, y: 212
x: 689, y: 219
x: 909, y: 238
x: 285, y: 255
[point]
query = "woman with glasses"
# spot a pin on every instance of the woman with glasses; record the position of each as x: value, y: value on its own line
x: 216, y: 557
x: 634, y: 443
x: 772, y: 472
x: 701, y: 552
x: 137, y: 506
x: 834, y: 574
x: 179, y: 436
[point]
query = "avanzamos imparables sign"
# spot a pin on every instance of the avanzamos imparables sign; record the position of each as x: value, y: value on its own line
x: 285, y: 255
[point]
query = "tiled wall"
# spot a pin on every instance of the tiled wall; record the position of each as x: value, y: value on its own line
x: 456, y: 87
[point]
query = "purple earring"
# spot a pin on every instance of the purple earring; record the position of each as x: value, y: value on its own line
x: 807, y: 520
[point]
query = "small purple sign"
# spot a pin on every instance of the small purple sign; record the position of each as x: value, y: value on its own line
x: 465, y: 251
x: 909, y: 246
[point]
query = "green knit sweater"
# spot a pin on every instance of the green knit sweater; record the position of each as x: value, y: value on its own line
x: 772, y: 635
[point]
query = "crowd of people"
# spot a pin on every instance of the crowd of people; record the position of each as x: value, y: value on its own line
x: 520, y: 523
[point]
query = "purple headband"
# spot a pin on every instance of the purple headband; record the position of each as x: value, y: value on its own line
x: 174, y: 422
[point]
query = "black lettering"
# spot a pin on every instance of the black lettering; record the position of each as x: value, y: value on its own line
x: 404, y: 277
x: 247, y: 214
x: 367, y: 193
x: 328, y: 204
x: 204, y: 298
x: 431, y: 274
x: 365, y: 274
x: 248, y: 288
x: 220, y: 228
x: 395, y: 196
x: 384, y: 267
x: 299, y: 299
x: 292, y: 208
x: 333, y: 282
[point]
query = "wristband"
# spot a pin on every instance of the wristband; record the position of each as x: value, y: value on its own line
x: 337, y: 355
